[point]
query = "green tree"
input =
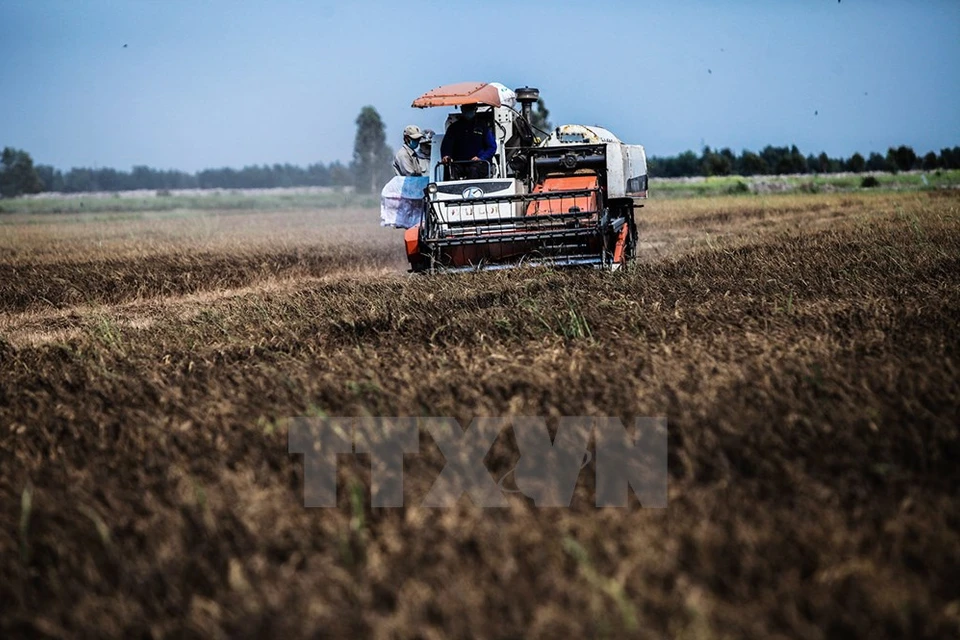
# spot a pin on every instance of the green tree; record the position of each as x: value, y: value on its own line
x: 17, y: 174
x: 730, y: 160
x: 778, y: 159
x: 856, y: 163
x: 340, y: 175
x: 825, y: 164
x: 930, y: 161
x: 950, y: 158
x: 796, y: 161
x: 715, y: 164
x: 371, y: 155
x: 903, y: 157
x: 687, y: 164
x: 51, y: 178
x: 877, y: 162
x: 752, y: 164
x: 540, y: 117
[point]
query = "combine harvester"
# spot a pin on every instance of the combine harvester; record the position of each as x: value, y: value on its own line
x: 568, y: 201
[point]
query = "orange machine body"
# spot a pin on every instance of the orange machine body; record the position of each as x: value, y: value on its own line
x: 411, y: 239
x: 554, y: 184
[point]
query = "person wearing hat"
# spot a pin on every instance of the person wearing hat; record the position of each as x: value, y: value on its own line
x: 406, y: 162
x: 424, y: 149
x: 468, y: 145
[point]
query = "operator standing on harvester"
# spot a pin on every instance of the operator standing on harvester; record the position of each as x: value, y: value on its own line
x: 406, y: 162
x: 468, y: 146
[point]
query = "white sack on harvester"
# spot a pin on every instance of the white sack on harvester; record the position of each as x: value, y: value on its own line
x: 401, y: 201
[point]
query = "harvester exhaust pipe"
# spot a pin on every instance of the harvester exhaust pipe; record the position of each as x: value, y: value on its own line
x: 526, y: 97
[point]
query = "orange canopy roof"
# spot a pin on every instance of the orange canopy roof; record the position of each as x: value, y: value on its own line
x: 461, y: 93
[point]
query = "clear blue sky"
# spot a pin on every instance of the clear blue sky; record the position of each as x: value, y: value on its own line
x: 228, y: 83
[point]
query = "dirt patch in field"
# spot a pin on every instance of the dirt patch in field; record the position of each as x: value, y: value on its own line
x: 808, y: 367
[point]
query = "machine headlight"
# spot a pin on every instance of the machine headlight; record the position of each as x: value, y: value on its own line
x: 432, y: 188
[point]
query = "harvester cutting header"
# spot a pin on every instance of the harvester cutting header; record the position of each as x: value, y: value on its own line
x: 497, y: 196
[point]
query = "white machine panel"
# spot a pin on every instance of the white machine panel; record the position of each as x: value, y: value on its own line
x: 462, y: 191
x: 626, y: 171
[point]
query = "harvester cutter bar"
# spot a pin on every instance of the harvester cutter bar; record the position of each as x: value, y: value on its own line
x: 567, y: 261
x: 524, y: 228
x: 562, y: 234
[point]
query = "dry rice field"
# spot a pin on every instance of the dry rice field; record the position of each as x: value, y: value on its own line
x: 804, y: 349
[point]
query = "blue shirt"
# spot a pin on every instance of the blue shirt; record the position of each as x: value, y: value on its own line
x: 466, y: 139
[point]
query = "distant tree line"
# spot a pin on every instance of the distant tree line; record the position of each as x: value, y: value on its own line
x: 786, y: 160
x: 84, y: 179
